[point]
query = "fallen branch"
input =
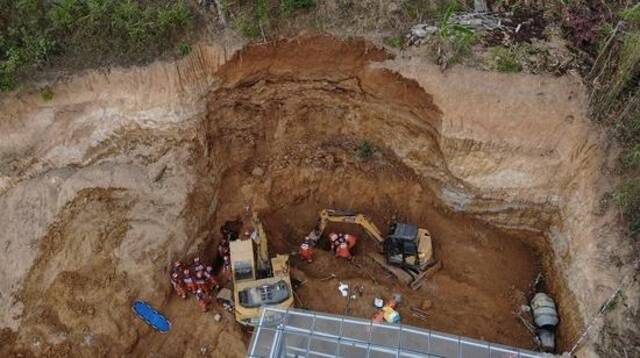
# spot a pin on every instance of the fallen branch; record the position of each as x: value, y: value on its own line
x: 419, y: 311
x: 605, y: 306
x: 297, y: 297
x: 420, y: 317
x: 328, y: 277
x: 528, y: 325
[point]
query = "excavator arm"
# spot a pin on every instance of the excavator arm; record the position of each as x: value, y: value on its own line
x: 260, y: 239
x: 341, y: 216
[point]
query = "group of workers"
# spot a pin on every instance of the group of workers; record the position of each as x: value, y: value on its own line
x: 341, y: 245
x: 197, y: 279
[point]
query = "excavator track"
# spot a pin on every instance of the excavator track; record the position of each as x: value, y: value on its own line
x: 399, y: 273
x: 414, y: 281
x: 419, y: 279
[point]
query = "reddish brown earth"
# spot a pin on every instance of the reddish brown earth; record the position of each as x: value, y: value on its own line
x: 123, y: 173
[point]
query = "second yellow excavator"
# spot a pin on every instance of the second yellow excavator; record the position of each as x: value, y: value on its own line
x: 407, y: 249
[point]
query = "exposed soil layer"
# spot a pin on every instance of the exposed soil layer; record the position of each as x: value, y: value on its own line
x: 121, y: 174
x: 283, y: 136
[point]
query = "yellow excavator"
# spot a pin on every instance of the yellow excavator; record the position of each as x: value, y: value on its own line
x: 257, y: 279
x: 407, y: 249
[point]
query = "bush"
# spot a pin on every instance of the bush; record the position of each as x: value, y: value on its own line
x: 255, y: 21
x: 46, y: 94
x: 365, y: 150
x: 455, y: 39
x: 184, y: 48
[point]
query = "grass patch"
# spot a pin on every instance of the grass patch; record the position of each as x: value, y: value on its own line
x: 46, y: 94
x: 631, y: 157
x: 632, y: 15
x: 615, y: 101
x: 627, y: 197
x: 505, y: 59
x: 421, y: 10
x: 289, y: 6
x: 394, y: 41
x: 184, y: 48
x: 82, y: 32
x: 454, y: 40
x: 365, y: 150
x: 254, y: 21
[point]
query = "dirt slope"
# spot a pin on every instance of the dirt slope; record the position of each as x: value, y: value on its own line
x: 123, y: 172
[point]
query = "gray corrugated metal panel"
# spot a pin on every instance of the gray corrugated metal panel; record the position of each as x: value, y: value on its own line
x: 298, y: 333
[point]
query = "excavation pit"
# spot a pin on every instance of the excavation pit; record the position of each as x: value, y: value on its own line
x: 288, y: 135
x: 111, y: 186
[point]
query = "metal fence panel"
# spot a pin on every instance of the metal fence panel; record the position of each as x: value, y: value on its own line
x: 299, y: 333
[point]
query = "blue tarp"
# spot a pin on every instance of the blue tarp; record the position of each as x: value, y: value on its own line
x: 152, y: 317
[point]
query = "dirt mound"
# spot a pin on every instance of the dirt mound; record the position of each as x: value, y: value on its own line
x: 123, y: 173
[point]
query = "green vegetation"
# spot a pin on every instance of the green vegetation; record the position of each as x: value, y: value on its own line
x: 505, y: 59
x: 288, y: 6
x: 615, y: 101
x: 455, y: 39
x: 184, y: 48
x: 394, y: 41
x: 254, y: 21
x: 46, y: 94
x: 627, y: 197
x: 85, y: 32
x: 365, y: 150
x: 631, y: 157
x: 632, y: 15
x: 420, y: 10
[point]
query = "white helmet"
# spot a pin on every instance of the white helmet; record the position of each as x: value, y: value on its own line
x: 333, y: 236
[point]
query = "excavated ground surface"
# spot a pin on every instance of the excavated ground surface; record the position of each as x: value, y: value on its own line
x: 123, y: 173
x: 296, y: 133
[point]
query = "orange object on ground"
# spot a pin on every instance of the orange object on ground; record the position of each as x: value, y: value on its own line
x: 379, y: 316
x: 343, y: 251
x: 306, y: 252
x: 351, y: 240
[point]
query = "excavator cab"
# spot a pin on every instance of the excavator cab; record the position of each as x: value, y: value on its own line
x: 408, y: 246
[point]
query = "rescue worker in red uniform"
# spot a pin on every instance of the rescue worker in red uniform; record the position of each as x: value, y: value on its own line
x: 333, y: 240
x: 201, y: 282
x: 178, y: 267
x: 211, y: 278
x: 226, y: 266
x: 178, y: 285
x: 223, y: 247
x: 306, y: 250
x: 197, y: 265
x: 203, y: 300
x: 351, y: 240
x: 343, y: 251
x: 188, y: 281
